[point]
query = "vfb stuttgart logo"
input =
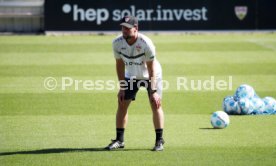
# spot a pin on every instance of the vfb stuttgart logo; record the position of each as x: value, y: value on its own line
x: 241, y: 12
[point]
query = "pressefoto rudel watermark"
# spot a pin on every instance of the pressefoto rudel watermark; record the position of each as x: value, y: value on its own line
x: 179, y: 84
x: 204, y: 85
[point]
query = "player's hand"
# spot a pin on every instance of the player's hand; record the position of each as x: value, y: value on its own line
x: 121, y: 96
x: 155, y: 100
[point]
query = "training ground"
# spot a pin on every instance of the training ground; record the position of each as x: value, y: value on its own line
x: 70, y: 126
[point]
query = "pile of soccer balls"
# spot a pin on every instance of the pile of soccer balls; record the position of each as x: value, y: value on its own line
x: 246, y: 102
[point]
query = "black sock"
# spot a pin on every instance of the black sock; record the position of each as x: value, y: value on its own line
x: 159, y: 134
x: 120, y: 134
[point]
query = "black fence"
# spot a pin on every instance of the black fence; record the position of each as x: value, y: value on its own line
x: 105, y: 15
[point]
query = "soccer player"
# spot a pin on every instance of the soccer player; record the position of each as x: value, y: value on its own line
x: 136, y: 66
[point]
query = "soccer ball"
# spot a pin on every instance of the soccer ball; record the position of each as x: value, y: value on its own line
x: 230, y: 106
x: 220, y: 120
x: 258, y: 105
x: 246, y: 106
x: 270, y: 104
x: 244, y: 91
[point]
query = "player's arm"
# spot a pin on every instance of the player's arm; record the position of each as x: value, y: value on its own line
x: 120, y: 69
x: 150, y: 61
x: 120, y: 66
x: 152, y: 75
x: 154, y: 97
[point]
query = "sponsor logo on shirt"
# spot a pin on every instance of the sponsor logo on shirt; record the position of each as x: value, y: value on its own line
x: 134, y: 63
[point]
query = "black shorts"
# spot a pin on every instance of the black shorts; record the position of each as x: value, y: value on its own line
x: 133, y: 86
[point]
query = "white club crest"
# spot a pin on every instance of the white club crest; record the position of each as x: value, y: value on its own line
x: 127, y: 19
x: 241, y: 12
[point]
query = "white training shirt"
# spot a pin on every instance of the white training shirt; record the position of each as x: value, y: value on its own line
x: 136, y: 55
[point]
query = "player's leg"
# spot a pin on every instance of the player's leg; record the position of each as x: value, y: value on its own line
x: 122, y: 118
x: 121, y: 122
x: 158, y: 116
x: 122, y: 114
x: 158, y: 119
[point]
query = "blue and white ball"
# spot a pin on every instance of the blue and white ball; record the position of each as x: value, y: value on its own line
x: 230, y: 106
x: 244, y: 91
x: 220, y: 120
x: 270, y: 104
x: 246, y: 106
x: 258, y: 105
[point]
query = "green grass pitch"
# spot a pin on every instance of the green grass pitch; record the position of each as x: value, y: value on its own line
x: 70, y: 127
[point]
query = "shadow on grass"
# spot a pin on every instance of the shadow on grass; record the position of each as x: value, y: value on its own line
x: 208, y: 128
x: 65, y: 150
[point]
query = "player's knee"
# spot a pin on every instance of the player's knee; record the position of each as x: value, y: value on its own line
x: 122, y: 107
x: 155, y: 109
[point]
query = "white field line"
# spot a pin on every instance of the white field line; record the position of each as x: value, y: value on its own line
x: 263, y: 44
